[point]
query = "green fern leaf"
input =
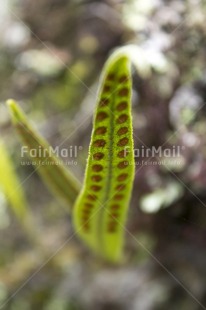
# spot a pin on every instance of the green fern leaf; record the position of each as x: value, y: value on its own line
x: 58, y: 179
x: 101, y: 208
x: 11, y: 185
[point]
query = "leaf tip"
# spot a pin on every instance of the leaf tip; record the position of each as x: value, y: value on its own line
x: 14, y: 110
x: 11, y: 103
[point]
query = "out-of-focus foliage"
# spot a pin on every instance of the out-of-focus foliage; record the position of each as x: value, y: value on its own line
x: 161, y: 197
x: 10, y: 185
x: 59, y: 179
x: 168, y: 109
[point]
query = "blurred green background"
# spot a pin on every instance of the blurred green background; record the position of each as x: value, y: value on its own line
x: 51, y: 56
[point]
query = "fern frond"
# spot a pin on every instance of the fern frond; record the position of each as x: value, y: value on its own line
x: 58, y: 179
x: 101, y: 208
x: 11, y: 185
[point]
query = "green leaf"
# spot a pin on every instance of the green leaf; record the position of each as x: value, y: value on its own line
x: 58, y: 179
x: 101, y: 208
x: 11, y: 185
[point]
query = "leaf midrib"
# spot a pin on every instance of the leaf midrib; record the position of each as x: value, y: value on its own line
x: 109, y: 172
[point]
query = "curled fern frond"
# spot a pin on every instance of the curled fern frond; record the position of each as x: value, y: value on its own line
x: 101, y: 208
